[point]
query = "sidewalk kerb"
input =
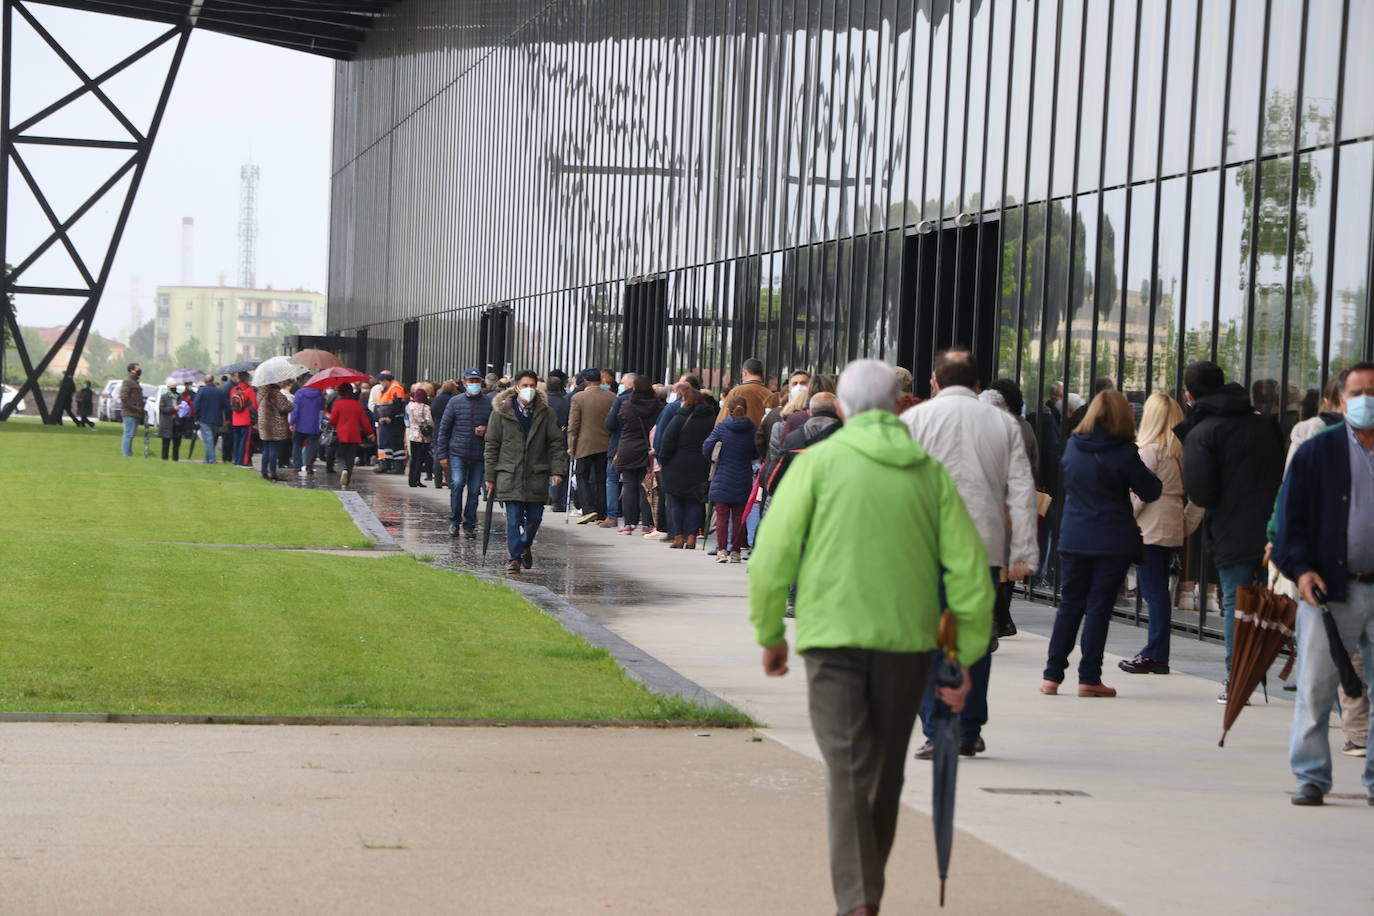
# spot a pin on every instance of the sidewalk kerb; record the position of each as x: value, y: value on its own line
x: 366, y: 520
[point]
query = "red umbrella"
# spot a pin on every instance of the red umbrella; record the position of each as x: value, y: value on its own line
x: 318, y: 359
x: 335, y: 376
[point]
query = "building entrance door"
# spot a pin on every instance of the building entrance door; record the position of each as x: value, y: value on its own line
x: 948, y: 298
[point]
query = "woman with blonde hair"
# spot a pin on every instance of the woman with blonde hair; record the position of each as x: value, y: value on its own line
x: 1098, y: 537
x: 1163, y: 525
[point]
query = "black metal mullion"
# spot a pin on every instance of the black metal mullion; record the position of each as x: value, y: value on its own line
x: 1049, y: 189
x: 982, y: 185
x: 941, y: 239
x: 1177, y: 382
x: 1293, y: 205
x: 1221, y: 196
x: 1101, y: 194
x: 1252, y: 268
x: 1073, y: 200
x: 1130, y: 200
x: 1025, y: 184
x: 1329, y: 294
x: 1002, y: 198
x: 1154, y: 230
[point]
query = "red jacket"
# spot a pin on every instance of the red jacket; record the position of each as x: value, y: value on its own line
x: 349, y: 419
x: 244, y: 417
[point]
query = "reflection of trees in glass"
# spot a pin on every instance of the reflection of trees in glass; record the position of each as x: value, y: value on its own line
x: 1266, y: 235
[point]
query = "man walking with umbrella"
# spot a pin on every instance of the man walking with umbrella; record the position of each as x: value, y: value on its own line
x: 1325, y: 542
x: 867, y: 609
x: 525, y: 452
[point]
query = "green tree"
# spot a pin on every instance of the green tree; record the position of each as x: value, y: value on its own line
x: 191, y: 355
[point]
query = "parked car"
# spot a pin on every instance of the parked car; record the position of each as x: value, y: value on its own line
x: 7, y: 394
x: 108, y: 408
x: 151, y: 395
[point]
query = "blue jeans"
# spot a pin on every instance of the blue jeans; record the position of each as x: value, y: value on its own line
x: 522, y: 524
x: 1232, y: 578
x: 1309, y: 748
x: 208, y: 431
x: 1154, y: 588
x: 464, y: 475
x: 1088, y: 586
x: 687, y: 515
x: 975, y: 714
x: 127, y: 443
x: 271, y: 454
x: 303, y: 449
x: 612, y: 494
x: 242, y: 436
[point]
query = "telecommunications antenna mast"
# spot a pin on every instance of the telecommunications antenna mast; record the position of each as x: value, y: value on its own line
x: 248, y: 226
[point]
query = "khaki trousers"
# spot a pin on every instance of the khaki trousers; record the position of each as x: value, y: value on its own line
x: 1355, y: 713
x: 863, y: 706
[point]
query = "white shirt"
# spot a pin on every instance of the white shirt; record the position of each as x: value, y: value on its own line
x: 982, y: 448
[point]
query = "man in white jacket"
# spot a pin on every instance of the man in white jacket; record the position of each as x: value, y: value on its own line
x: 982, y: 448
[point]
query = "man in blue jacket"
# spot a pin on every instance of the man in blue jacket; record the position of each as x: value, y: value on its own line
x: 458, y: 443
x: 1325, y: 542
x: 212, y: 412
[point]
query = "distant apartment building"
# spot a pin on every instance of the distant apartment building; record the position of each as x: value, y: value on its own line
x: 234, y: 323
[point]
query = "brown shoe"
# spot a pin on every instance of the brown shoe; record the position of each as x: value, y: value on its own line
x: 1049, y: 688
x: 608, y: 523
x: 691, y: 542
x: 678, y: 542
x: 1096, y: 690
x: 512, y: 567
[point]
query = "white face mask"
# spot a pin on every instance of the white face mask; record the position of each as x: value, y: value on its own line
x: 673, y: 398
x: 797, y: 389
x: 526, y: 395
x: 329, y: 392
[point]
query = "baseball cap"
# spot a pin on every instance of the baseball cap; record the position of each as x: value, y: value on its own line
x: 472, y: 373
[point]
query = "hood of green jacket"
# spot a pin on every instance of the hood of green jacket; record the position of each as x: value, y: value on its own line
x: 880, y: 436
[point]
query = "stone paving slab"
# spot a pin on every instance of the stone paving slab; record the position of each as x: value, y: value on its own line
x: 154, y: 819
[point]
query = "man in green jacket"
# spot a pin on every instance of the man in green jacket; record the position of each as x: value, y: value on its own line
x: 869, y: 527
x: 525, y: 452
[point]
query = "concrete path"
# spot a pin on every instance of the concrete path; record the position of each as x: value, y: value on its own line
x: 153, y: 819
x: 1166, y: 821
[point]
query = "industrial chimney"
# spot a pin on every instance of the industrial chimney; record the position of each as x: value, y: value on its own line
x: 188, y: 230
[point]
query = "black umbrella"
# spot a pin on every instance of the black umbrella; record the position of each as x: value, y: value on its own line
x: 486, y: 525
x: 1340, y: 656
x: 946, y: 672
x: 247, y: 365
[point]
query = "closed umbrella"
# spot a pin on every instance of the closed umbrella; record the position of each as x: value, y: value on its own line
x: 278, y: 369
x: 946, y: 673
x: 244, y: 365
x: 335, y: 376
x: 1340, y: 656
x: 317, y: 360
x: 1264, y: 624
x: 486, y: 525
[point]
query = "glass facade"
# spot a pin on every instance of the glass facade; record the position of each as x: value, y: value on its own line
x: 1077, y: 188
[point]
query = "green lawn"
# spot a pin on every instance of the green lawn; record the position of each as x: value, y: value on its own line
x: 101, y: 617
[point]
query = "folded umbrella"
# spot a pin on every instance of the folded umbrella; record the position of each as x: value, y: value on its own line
x: 335, y: 376
x: 486, y: 524
x: 1264, y: 625
x: 317, y: 360
x: 1340, y: 656
x: 946, y: 672
x: 278, y: 369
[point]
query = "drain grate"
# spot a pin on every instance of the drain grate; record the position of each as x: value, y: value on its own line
x: 1073, y: 792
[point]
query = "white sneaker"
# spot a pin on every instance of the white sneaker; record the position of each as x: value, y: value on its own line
x: 301, y: 472
x: 343, y: 478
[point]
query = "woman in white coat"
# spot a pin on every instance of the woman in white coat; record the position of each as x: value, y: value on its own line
x: 1163, y: 525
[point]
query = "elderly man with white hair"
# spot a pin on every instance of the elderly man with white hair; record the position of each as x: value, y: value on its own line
x: 867, y: 609
x: 982, y: 447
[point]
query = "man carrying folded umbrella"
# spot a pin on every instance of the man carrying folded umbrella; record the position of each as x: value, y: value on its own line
x: 1325, y: 542
x: 524, y: 453
x: 867, y: 609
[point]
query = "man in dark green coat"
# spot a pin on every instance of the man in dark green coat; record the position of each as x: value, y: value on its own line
x: 526, y: 452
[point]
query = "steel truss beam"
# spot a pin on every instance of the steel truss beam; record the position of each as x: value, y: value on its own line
x: 12, y: 137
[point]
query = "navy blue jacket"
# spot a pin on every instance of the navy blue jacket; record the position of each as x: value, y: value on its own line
x: 735, y: 469
x: 1314, y: 509
x: 559, y: 403
x: 455, y: 437
x: 1099, y: 474
x: 613, y: 422
x: 661, y: 427
x: 212, y: 405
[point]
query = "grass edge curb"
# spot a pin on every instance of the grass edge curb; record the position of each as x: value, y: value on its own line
x: 373, y: 721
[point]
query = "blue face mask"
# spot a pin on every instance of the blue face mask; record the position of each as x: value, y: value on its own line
x: 604, y: 387
x: 474, y: 390
x: 1359, y: 411
x: 620, y: 390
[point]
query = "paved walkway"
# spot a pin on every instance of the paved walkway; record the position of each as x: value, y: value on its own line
x: 1167, y: 822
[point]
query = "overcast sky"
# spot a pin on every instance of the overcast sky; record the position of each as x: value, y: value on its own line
x: 234, y: 101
